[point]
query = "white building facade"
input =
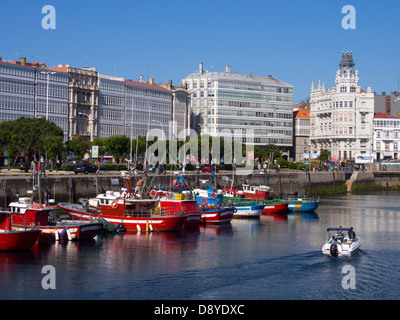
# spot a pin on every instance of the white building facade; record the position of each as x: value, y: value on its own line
x: 112, y: 97
x: 342, y: 117
x: 386, y: 136
x: 221, y: 101
x: 32, y: 90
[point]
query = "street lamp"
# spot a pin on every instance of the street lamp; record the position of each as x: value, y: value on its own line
x: 47, y: 95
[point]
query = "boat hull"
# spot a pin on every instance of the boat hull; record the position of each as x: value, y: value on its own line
x: 343, y: 249
x: 271, y: 207
x: 302, y: 206
x: 250, y: 211
x: 68, y: 231
x: 221, y: 215
x: 18, y: 240
x: 149, y: 223
x: 192, y: 211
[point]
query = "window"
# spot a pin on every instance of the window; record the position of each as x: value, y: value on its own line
x: 343, y: 89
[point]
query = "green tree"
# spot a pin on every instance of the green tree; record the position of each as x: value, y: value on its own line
x: 53, y: 145
x: 324, y: 155
x: 274, y: 150
x: 117, y: 146
x: 27, y: 135
x: 79, y: 146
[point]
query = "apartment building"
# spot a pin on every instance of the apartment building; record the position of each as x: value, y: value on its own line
x: 228, y: 101
x: 33, y: 90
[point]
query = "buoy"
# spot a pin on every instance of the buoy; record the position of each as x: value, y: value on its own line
x: 151, y: 228
x: 64, y: 234
x: 56, y: 235
x: 147, y: 226
x: 213, y: 196
x: 153, y: 193
x: 114, y: 204
x: 140, y: 183
x: 138, y: 227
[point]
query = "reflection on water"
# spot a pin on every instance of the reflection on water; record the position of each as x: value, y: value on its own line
x: 275, y: 257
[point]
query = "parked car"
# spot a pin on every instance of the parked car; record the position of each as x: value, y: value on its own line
x: 85, y: 168
x: 209, y: 168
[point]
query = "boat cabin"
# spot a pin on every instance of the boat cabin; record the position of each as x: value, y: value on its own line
x: 26, y: 213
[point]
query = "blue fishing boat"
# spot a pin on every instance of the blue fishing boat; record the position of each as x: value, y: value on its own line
x: 303, y: 204
x: 213, y: 210
x: 246, y: 207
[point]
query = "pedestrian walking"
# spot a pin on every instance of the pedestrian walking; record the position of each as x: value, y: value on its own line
x: 42, y: 168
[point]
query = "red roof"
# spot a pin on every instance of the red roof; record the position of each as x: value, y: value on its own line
x: 303, y: 114
x: 384, y: 116
x: 146, y: 85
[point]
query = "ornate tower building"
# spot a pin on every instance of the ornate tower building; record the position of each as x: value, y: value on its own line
x: 342, y: 117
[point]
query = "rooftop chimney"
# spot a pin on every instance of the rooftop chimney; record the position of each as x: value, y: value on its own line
x: 201, y: 67
x: 151, y: 80
x: 228, y: 68
x: 22, y: 61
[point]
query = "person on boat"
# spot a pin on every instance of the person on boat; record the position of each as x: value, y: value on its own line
x: 340, y: 235
x: 335, y: 240
x: 352, y: 234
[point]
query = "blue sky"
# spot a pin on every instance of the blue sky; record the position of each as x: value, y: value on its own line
x: 296, y: 41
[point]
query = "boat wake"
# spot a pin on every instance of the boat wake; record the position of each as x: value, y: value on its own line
x: 295, y: 277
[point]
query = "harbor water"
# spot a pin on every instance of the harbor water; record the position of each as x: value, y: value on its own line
x: 277, y: 256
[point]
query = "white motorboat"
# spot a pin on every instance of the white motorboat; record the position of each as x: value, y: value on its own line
x: 341, y: 242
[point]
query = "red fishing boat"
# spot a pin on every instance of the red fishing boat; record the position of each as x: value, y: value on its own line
x: 180, y: 196
x: 130, y: 214
x: 256, y: 192
x: 190, y: 205
x: 275, y: 206
x: 27, y: 215
x: 15, y: 240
